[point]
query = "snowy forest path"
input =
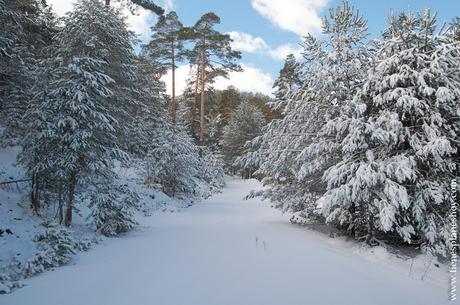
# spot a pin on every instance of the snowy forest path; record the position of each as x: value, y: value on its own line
x: 224, y: 251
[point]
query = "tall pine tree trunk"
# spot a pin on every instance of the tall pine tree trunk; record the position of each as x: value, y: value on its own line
x: 173, y: 95
x: 203, y: 98
x: 195, y: 102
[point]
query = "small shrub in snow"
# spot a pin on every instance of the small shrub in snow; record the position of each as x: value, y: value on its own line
x: 113, y: 209
x: 35, y: 265
x: 56, y: 247
x: 15, y: 268
x: 5, y: 281
x: 59, y: 242
x: 84, y: 244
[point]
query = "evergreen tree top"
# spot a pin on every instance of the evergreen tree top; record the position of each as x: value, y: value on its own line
x: 411, y: 29
x: 345, y: 21
x: 215, y: 45
x: 100, y: 39
x: 167, y: 34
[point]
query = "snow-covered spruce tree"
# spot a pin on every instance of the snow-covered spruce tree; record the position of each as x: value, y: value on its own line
x: 244, y: 124
x: 400, y: 141
x: 73, y: 126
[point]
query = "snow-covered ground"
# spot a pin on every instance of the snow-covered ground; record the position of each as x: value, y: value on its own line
x: 19, y: 226
x: 226, y: 251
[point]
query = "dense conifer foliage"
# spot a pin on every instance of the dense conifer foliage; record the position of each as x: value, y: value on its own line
x: 368, y: 138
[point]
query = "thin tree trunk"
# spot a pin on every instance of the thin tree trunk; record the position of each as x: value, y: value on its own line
x: 370, y: 228
x: 32, y: 194
x: 69, y: 211
x: 203, y: 98
x: 173, y: 95
x: 107, y: 2
x: 35, y: 201
x: 61, y: 205
x: 195, y: 101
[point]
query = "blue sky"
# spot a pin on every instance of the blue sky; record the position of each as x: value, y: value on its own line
x: 267, y: 30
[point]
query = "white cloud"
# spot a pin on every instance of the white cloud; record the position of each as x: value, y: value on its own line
x: 247, y: 43
x: 284, y: 50
x: 169, y: 5
x: 298, y: 16
x: 138, y: 22
x: 182, y: 73
x: 252, y: 79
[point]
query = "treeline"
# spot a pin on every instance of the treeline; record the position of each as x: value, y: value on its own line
x: 233, y: 118
x: 368, y: 140
x: 81, y: 102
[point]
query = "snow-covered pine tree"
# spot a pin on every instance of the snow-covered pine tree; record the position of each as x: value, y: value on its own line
x: 400, y: 141
x: 294, y: 151
x: 228, y: 99
x: 114, y: 44
x: 245, y: 123
x: 339, y: 69
x: 150, y: 115
x: 174, y: 163
x: 73, y: 126
x: 5, y: 38
x: 26, y: 28
x: 211, y: 172
x: 167, y: 153
x: 270, y: 152
x: 13, y: 71
x: 287, y: 82
x: 454, y: 29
